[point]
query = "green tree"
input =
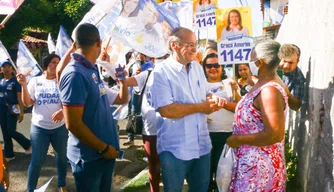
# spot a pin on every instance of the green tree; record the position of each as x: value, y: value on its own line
x: 44, y: 15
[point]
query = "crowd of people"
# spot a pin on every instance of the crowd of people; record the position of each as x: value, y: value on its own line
x: 190, y: 110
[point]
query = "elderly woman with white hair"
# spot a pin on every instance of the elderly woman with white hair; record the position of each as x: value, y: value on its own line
x: 258, y: 129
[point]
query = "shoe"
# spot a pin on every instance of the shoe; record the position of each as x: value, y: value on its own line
x: 28, y: 151
x: 62, y: 189
x: 129, y: 142
x: 9, y: 159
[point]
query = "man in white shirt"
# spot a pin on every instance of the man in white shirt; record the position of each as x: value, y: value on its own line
x: 180, y: 94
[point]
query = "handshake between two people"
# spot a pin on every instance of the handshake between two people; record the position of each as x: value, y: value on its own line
x: 213, y: 103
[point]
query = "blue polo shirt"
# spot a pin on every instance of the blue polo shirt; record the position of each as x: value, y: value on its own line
x: 8, y: 91
x: 80, y: 85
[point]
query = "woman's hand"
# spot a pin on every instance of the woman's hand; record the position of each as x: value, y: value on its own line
x: 21, y: 79
x: 233, y: 142
x: 57, y: 116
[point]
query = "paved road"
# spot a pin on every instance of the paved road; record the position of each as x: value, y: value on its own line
x: 126, y: 169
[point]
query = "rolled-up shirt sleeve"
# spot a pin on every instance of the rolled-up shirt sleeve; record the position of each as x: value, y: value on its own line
x: 73, y: 89
x: 161, y: 90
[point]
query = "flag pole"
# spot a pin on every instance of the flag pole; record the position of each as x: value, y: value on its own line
x: 5, y: 19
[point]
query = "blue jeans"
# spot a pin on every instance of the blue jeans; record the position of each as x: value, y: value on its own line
x: 40, y: 141
x: 133, y: 110
x: 93, y: 176
x: 8, y: 124
x: 195, y: 171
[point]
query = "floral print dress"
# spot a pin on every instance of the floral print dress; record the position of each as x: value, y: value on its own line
x: 258, y: 169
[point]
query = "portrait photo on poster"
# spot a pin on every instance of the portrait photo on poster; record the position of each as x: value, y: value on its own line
x: 233, y: 21
x: 204, y: 5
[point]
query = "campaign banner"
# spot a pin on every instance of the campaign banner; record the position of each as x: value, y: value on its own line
x: 204, y: 5
x: 205, y: 20
x: 183, y: 10
x: 8, y: 7
x: 26, y: 63
x: 51, y: 44
x: 145, y: 27
x: 64, y: 42
x: 235, y: 49
x: 103, y: 15
x: 233, y: 21
x: 3, y: 53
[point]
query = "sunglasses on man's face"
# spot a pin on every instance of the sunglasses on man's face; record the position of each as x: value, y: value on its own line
x: 215, y: 65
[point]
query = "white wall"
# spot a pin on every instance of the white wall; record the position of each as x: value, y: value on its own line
x: 310, y: 25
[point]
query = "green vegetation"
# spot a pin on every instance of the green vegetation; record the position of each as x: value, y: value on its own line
x: 138, y: 185
x: 291, y: 167
x: 43, y: 15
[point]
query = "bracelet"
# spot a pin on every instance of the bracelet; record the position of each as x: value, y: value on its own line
x: 104, y: 150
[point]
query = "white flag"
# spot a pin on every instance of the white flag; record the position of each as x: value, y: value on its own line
x: 64, y: 42
x: 51, y: 44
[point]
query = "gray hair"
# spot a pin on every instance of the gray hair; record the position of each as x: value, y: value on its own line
x: 176, y: 35
x: 268, y: 51
x: 288, y: 50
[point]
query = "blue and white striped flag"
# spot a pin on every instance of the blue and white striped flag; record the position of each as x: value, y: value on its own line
x: 26, y: 63
x: 51, y: 44
x: 63, y: 42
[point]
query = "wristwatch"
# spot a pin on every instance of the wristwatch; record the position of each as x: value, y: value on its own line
x: 104, y: 150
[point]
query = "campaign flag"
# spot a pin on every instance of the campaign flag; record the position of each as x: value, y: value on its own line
x: 64, y: 42
x: 26, y: 63
x: 3, y: 53
x: 183, y: 10
x: 8, y: 7
x: 94, y: 1
x: 145, y: 27
x: 103, y: 15
x: 51, y: 44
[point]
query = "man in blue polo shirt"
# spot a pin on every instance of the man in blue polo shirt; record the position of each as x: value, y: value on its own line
x: 93, y: 142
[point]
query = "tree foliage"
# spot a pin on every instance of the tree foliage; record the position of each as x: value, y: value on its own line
x: 43, y: 15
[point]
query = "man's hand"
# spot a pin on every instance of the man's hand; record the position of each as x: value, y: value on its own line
x: 104, y: 56
x: 2, y: 26
x: 57, y: 116
x: 111, y: 153
x: 21, y: 79
x: 234, y: 85
x: 233, y: 142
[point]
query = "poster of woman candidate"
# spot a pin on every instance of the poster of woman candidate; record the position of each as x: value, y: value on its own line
x: 204, y: 5
x: 233, y: 21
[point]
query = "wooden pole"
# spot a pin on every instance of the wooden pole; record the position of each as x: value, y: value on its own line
x: 4, y: 21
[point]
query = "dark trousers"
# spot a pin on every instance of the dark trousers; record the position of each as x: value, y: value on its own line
x: 93, y: 176
x: 8, y: 124
x: 218, y: 140
x: 150, y: 145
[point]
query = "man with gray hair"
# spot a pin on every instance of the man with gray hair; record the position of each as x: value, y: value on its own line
x: 292, y: 75
x: 180, y: 94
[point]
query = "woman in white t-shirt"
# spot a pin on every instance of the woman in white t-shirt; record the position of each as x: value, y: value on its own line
x: 219, y: 122
x: 47, y: 123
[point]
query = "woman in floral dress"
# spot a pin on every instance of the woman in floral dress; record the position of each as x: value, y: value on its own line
x: 258, y: 128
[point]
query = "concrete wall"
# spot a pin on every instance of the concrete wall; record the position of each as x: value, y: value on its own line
x: 310, y: 25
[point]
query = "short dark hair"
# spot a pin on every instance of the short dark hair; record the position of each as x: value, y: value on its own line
x: 47, y: 60
x: 86, y: 35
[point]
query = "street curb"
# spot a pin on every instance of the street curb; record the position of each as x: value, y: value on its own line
x: 140, y: 174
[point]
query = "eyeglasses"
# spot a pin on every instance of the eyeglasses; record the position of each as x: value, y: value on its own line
x: 215, y: 65
x: 192, y: 45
